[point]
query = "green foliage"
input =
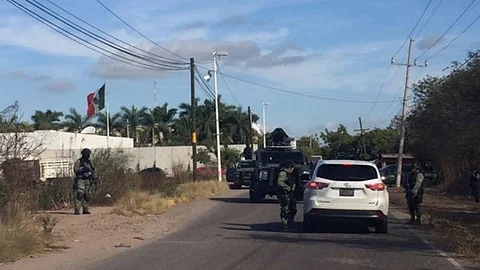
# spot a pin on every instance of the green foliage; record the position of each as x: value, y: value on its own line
x: 309, y: 145
x: 230, y: 156
x: 340, y: 142
x: 203, y: 156
x: 48, y: 120
x: 443, y: 124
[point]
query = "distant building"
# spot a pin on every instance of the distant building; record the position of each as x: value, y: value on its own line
x: 57, y: 150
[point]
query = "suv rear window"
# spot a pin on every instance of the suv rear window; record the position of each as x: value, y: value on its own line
x: 338, y: 172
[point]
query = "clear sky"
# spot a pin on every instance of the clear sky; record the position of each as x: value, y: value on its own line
x: 330, y: 48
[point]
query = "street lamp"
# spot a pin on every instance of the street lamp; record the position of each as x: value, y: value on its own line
x: 264, y: 105
x: 207, y: 77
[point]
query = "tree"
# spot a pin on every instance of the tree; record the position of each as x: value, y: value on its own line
x: 48, y: 120
x: 442, y: 125
x: 230, y: 157
x: 157, y: 122
x: 75, y: 122
x: 115, y: 123
x: 309, y: 145
x: 337, y: 142
x: 133, y: 117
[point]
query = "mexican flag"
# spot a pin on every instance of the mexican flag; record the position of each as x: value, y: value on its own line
x: 96, y: 101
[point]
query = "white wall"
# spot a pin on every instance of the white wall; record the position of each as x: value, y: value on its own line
x: 165, y: 157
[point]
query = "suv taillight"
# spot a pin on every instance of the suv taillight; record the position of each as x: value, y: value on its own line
x: 378, y: 186
x: 316, y: 185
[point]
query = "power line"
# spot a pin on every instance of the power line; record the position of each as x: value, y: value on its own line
x: 62, y: 31
x: 379, y: 90
x: 228, y: 87
x: 138, y: 32
x: 115, y: 38
x: 205, y: 86
x: 453, y: 40
x: 413, y: 29
x: 449, y: 28
x: 302, y: 94
x: 100, y: 39
x: 429, y: 18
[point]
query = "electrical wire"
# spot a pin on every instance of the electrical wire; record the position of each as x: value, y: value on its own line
x: 302, y: 94
x: 429, y: 18
x: 171, y: 61
x: 379, y: 90
x: 98, y: 49
x: 413, y: 29
x: 204, y: 84
x: 448, y: 29
x: 101, y: 40
x: 453, y: 40
x: 228, y: 87
x: 138, y: 32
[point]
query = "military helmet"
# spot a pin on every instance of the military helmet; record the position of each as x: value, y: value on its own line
x: 288, y: 164
x: 86, y: 152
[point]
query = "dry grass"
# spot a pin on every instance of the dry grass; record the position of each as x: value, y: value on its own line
x: 142, y: 203
x: 18, y: 241
x: 455, y: 221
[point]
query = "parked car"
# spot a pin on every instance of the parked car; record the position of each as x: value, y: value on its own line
x: 345, y: 189
x: 389, y: 174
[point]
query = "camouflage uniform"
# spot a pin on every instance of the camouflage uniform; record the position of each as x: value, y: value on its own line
x: 286, y: 196
x: 414, y: 195
x: 84, y: 178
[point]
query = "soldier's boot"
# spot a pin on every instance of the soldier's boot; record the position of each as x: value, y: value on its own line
x: 418, y: 220
x: 412, y: 220
x: 77, y: 211
x: 86, y: 212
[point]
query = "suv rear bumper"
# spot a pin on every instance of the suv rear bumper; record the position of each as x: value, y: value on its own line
x: 344, y: 214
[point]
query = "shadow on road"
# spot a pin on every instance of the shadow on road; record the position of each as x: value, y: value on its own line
x: 245, y: 200
x: 349, y: 228
x: 55, y: 212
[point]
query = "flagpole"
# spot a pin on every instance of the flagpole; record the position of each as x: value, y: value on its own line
x: 108, y: 116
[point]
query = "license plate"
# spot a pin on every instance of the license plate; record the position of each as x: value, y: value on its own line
x: 347, y: 192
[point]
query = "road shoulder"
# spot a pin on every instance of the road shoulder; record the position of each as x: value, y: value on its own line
x: 90, y: 238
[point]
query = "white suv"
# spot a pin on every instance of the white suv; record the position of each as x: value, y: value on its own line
x: 345, y: 189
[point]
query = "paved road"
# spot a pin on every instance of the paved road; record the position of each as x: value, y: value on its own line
x: 237, y: 234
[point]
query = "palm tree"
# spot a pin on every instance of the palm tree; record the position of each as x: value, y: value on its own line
x: 237, y: 123
x: 158, y: 121
x: 115, y: 123
x: 75, y: 122
x: 46, y: 120
x: 206, y: 122
x: 133, y: 117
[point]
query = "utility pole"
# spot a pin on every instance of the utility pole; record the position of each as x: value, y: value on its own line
x: 264, y: 105
x: 250, y: 134
x: 363, y: 137
x: 193, y: 118
x: 404, y: 104
x: 217, y: 119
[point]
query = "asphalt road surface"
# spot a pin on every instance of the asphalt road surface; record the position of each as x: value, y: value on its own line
x: 237, y: 234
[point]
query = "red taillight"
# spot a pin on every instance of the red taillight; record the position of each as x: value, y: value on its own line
x: 317, y: 185
x: 346, y: 165
x: 378, y: 186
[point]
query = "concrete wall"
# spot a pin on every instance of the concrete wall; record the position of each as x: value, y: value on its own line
x: 165, y: 157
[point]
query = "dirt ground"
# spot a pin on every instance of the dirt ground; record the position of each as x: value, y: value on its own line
x: 453, y: 222
x: 87, y: 238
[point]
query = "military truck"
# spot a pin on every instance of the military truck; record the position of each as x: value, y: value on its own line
x: 242, y: 174
x: 267, y: 166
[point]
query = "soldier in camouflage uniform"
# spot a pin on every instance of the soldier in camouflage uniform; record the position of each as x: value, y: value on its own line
x: 286, y: 194
x: 414, y: 194
x: 82, y: 183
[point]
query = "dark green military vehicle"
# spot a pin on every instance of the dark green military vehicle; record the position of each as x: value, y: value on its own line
x: 267, y: 162
x: 242, y: 174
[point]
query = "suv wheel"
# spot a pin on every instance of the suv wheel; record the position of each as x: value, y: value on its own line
x: 382, y: 226
x: 235, y: 186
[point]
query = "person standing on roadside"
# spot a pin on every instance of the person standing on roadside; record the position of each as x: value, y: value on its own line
x: 83, y: 181
x: 414, y: 194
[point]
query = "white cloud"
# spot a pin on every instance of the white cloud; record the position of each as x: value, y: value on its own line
x: 58, y: 86
x: 29, y: 34
x: 261, y: 38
